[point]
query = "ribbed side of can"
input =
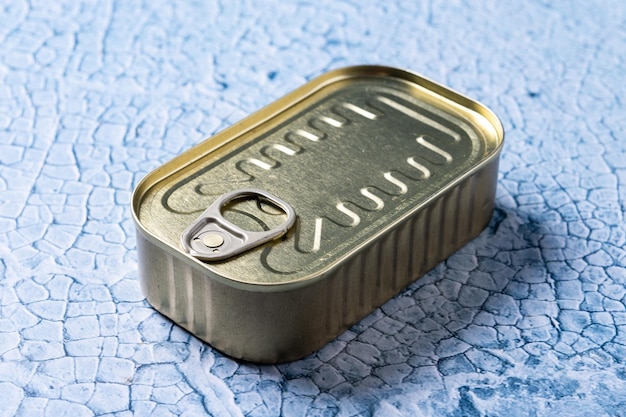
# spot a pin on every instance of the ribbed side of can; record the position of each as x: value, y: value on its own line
x: 264, y: 327
x: 286, y: 324
x: 410, y: 250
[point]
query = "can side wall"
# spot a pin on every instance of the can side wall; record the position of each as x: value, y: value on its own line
x: 287, y: 324
x: 266, y: 327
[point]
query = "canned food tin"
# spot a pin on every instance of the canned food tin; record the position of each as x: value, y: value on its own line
x: 274, y: 236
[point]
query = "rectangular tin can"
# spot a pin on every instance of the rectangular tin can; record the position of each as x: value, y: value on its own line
x: 387, y: 174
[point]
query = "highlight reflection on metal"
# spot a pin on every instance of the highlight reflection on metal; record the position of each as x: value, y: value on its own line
x: 388, y: 174
x: 212, y: 238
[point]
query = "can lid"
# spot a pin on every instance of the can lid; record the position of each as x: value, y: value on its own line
x: 213, y: 238
x: 356, y: 153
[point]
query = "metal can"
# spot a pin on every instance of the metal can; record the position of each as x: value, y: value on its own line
x: 274, y: 236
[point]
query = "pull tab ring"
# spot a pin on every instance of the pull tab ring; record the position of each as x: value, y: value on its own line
x: 213, y: 238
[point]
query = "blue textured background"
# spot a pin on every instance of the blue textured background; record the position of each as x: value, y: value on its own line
x: 528, y: 319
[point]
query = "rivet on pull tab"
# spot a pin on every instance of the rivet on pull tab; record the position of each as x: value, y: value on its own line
x: 213, y: 238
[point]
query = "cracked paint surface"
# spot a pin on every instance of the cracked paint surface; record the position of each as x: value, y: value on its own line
x: 527, y: 319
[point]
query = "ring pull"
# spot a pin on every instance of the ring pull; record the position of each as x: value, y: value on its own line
x: 213, y: 238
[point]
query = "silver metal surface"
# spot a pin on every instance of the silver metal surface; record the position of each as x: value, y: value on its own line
x: 213, y: 238
x: 389, y: 173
